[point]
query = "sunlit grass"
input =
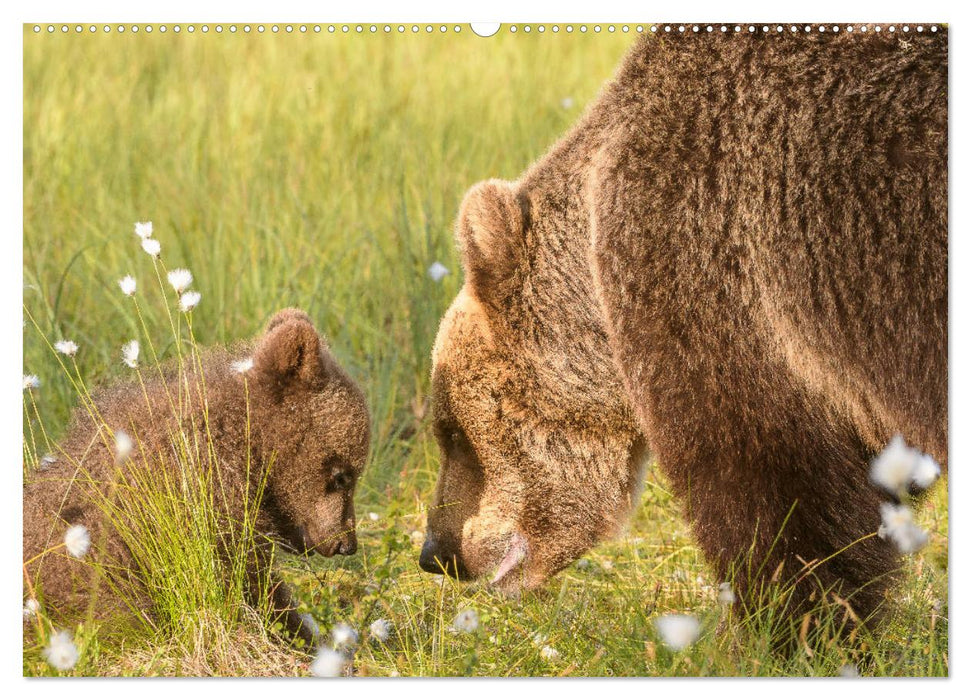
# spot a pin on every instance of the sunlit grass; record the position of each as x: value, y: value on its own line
x: 325, y: 171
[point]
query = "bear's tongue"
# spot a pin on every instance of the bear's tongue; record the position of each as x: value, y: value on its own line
x: 516, y: 552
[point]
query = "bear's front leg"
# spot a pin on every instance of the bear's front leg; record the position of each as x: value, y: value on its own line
x: 261, y: 581
x: 775, y: 484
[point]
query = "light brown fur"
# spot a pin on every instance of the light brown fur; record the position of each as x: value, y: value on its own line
x: 739, y: 256
x: 308, y: 425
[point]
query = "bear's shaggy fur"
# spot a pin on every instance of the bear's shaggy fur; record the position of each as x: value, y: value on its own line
x: 308, y: 425
x: 737, y: 258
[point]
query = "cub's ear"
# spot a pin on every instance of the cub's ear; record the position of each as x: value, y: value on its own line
x: 491, y: 232
x: 284, y: 315
x: 291, y: 350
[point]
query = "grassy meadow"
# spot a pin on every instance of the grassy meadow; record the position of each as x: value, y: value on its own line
x: 324, y: 171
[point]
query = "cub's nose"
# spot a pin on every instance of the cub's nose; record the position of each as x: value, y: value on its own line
x: 347, y: 544
x: 436, y: 559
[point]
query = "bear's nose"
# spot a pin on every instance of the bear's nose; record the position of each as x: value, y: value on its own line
x: 440, y: 560
x: 348, y: 544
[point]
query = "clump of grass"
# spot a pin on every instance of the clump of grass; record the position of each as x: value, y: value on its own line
x: 190, y: 561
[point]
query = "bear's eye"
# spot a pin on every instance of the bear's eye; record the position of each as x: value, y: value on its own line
x: 341, y: 481
x: 457, y: 440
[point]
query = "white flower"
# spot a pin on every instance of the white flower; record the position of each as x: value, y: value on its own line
x: 189, y: 301
x: 436, y: 271
x: 47, y: 461
x: 373, y: 517
x: 417, y: 537
x: 77, y: 540
x: 31, y: 381
x: 566, y: 103
x: 328, y: 664
x: 726, y: 596
x: 242, y: 366
x: 180, y: 279
x: 466, y: 621
x: 129, y: 353
x: 344, y: 635
x: 893, y: 468
x: 549, y: 653
x: 61, y: 653
x: 381, y: 630
x: 143, y: 229
x: 123, y: 446
x: 31, y: 608
x: 128, y: 285
x: 849, y: 671
x: 583, y: 564
x: 151, y: 246
x: 925, y: 472
x: 898, y: 524
x: 678, y: 631
x: 66, y: 347
x: 311, y: 624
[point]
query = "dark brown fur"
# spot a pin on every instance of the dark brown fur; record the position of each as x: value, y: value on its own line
x: 740, y: 254
x: 308, y: 425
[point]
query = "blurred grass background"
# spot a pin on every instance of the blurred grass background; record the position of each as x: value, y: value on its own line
x: 324, y: 171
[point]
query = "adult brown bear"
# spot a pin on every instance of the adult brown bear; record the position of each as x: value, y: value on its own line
x: 737, y: 260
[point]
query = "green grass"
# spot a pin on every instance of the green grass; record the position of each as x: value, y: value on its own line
x: 325, y: 171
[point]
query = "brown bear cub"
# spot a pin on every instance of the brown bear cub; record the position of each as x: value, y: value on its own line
x: 285, y: 426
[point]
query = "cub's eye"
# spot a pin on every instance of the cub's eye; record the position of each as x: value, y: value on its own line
x: 341, y: 481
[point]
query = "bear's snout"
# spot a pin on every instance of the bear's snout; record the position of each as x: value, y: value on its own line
x: 439, y: 558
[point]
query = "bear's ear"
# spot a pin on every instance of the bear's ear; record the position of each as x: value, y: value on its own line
x: 284, y: 315
x: 291, y: 350
x: 491, y: 232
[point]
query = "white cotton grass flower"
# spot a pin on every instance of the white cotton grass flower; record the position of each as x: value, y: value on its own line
x: 678, y: 631
x: 47, y: 461
x: 31, y: 608
x: 380, y: 630
x: 466, y: 621
x: 143, y: 229
x: 898, y: 525
x: 151, y: 246
x: 128, y: 285
x: 373, y: 517
x: 62, y: 653
x: 567, y: 103
x: 189, y: 300
x: 31, y: 382
x: 548, y: 653
x: 66, y: 347
x: 417, y: 537
x: 893, y: 468
x: 242, y: 366
x: 77, y: 540
x: 328, y: 664
x: 926, y: 472
x: 849, y: 671
x: 437, y: 271
x: 180, y: 279
x: 124, y: 446
x: 900, y: 465
x: 129, y: 353
x: 344, y: 636
x: 726, y: 596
